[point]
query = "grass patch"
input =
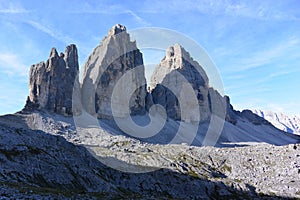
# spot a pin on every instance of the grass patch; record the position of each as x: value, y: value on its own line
x: 121, y: 143
x: 226, y: 168
x: 192, y: 173
x: 238, y: 180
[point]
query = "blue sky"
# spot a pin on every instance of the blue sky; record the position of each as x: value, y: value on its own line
x: 254, y: 44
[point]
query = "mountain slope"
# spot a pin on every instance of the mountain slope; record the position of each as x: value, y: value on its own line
x: 114, y: 89
x: 290, y: 124
x: 57, y: 163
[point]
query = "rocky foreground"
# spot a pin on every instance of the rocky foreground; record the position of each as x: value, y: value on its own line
x: 57, y: 162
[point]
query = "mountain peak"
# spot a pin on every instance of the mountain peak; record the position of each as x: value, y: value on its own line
x: 71, y: 57
x: 177, y: 51
x: 118, y: 28
x: 109, y: 61
x: 280, y: 120
x: 177, y: 58
x: 51, y: 83
x: 53, y: 53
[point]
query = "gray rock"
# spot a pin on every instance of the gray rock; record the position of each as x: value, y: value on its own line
x: 115, y: 56
x: 177, y: 58
x: 230, y: 112
x: 51, y: 83
x: 35, y: 162
x: 253, y: 118
x: 167, y: 86
x: 176, y: 69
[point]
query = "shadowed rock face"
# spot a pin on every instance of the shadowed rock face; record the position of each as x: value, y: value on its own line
x: 109, y: 61
x: 51, y: 83
x: 176, y: 69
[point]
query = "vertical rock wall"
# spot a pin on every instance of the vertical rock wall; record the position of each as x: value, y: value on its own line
x: 51, y: 83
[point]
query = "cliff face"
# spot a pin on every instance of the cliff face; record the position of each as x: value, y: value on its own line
x: 175, y: 70
x: 104, y: 86
x: 115, y: 56
x: 114, y: 83
x: 51, y: 83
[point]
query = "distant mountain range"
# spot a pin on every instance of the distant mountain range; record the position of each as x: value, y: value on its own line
x: 290, y: 124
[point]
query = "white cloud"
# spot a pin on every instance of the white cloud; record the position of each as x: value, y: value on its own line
x: 138, y: 18
x: 290, y: 108
x: 243, y: 91
x: 278, y: 74
x: 11, y: 65
x: 10, y: 8
x: 267, y: 56
x: 262, y: 10
x: 115, y: 9
x: 51, y: 32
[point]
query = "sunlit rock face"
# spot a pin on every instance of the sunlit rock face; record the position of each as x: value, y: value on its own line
x: 176, y: 71
x: 51, y: 83
x: 109, y: 61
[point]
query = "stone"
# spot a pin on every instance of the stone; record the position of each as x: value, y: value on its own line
x: 51, y: 83
x: 253, y: 118
x: 111, y: 60
x: 177, y: 58
x: 175, y: 70
x: 61, y: 163
x: 230, y: 112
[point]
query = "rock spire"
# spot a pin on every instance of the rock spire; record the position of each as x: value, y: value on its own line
x: 51, y: 83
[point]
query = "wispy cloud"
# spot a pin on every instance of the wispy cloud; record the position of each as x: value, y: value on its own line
x: 287, y: 108
x: 263, y: 10
x: 267, y: 56
x: 114, y: 9
x: 258, y: 85
x: 11, y: 65
x: 51, y: 32
x: 138, y: 18
x: 243, y: 91
x: 11, y: 8
x: 280, y: 73
x: 290, y: 108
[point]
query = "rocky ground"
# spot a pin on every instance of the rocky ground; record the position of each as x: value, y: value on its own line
x: 58, y: 162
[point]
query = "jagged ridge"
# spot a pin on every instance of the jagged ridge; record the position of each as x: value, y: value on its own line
x: 51, y: 83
